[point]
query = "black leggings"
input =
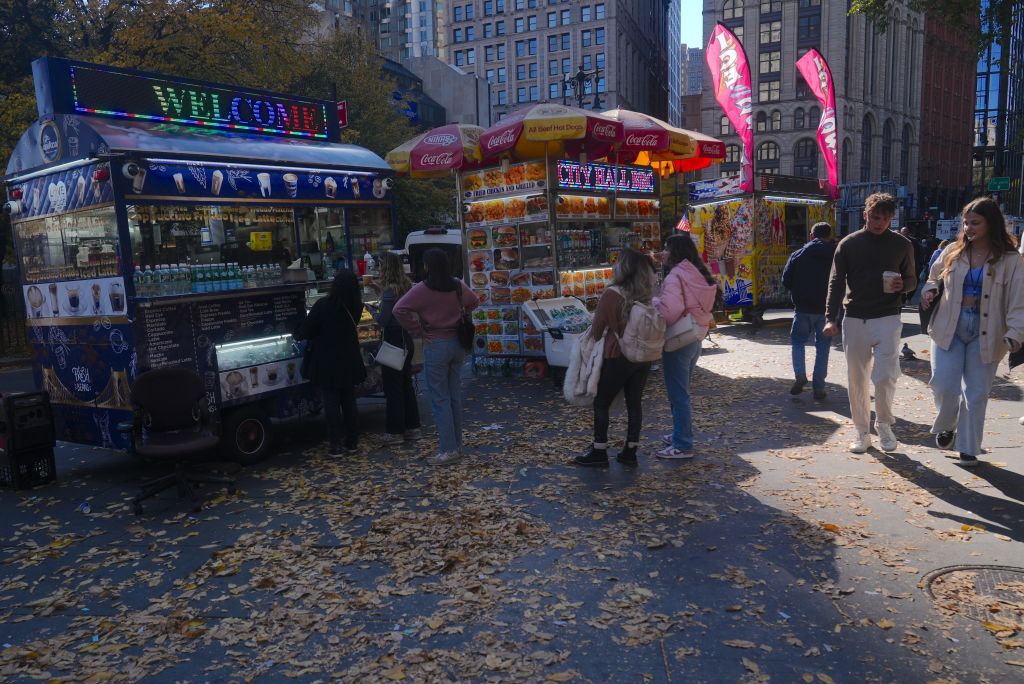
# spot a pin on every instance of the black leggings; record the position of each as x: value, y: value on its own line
x: 620, y: 375
x: 336, y: 403
x: 403, y: 413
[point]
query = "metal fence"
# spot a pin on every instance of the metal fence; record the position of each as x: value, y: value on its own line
x: 13, y: 333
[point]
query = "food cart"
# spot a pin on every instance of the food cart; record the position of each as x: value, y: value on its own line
x: 154, y: 220
x: 537, y: 230
x: 746, y: 238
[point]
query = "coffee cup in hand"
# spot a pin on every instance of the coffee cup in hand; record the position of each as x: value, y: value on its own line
x: 889, y: 279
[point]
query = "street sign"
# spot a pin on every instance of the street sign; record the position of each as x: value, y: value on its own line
x: 1000, y: 183
x: 343, y: 114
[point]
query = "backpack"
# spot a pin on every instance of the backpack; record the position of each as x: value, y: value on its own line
x: 644, y: 337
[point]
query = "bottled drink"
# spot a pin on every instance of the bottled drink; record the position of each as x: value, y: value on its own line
x: 236, y: 276
x: 137, y: 281
x: 199, y: 278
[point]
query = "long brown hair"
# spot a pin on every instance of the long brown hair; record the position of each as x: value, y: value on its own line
x: 999, y: 239
x: 681, y: 248
x: 634, y: 275
x: 392, y: 274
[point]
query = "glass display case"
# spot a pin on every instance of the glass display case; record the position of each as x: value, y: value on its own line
x: 72, y: 246
x: 251, y: 367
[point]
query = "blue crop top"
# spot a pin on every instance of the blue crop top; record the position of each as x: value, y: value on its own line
x: 972, y: 283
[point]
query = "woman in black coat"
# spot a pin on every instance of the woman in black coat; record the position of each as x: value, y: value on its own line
x: 336, y: 362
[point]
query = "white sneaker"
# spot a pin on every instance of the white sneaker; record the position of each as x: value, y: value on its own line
x: 444, y: 458
x: 666, y: 439
x: 862, y: 443
x: 673, y: 454
x: 886, y: 437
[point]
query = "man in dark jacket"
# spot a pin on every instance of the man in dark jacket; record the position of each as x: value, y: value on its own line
x: 806, y: 278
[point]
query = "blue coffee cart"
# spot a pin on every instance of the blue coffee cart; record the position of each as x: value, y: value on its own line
x: 153, y: 220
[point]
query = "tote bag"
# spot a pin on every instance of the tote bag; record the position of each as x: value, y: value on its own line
x: 681, y: 333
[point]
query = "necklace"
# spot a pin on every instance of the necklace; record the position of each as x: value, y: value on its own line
x: 970, y: 256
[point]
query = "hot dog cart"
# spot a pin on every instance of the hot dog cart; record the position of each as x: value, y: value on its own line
x: 154, y: 222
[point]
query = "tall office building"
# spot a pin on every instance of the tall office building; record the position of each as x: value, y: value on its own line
x: 999, y: 110
x: 527, y: 48
x: 877, y: 81
x: 675, y: 63
x: 693, y: 69
x: 947, y: 114
x: 401, y: 29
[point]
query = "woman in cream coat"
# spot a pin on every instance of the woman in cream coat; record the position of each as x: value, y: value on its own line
x: 979, y: 318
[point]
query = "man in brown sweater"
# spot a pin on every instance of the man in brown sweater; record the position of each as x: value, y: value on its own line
x: 864, y: 260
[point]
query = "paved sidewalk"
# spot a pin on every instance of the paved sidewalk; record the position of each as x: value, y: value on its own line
x: 776, y: 555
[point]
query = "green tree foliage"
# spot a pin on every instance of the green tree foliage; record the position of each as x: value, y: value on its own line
x: 963, y: 14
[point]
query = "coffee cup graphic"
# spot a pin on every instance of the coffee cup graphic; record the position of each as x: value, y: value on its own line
x: 355, y: 188
x: 272, y: 375
x: 291, y: 184
x: 36, y: 301
x: 264, y: 181
x: 116, y: 295
x: 330, y: 187
x: 139, y: 180
x: 54, y: 304
x: 179, y: 183
x: 97, y: 293
x: 291, y: 372
x: 74, y: 300
x: 217, y: 182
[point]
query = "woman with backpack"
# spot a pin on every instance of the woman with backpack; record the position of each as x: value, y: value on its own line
x: 688, y: 290
x: 633, y: 282
x: 335, y: 360
x: 432, y: 310
x: 402, y: 410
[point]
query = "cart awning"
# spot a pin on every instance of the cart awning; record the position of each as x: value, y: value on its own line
x: 94, y: 137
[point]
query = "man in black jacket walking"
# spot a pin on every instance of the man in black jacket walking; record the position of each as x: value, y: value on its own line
x: 806, y: 278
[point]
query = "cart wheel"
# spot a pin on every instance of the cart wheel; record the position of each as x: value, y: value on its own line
x: 247, y: 435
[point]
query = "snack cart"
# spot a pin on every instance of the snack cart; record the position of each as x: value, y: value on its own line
x: 155, y: 219
x: 535, y: 231
x: 746, y: 238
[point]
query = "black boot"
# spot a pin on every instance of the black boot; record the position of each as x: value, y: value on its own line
x: 798, y: 385
x: 627, y: 455
x: 596, y: 458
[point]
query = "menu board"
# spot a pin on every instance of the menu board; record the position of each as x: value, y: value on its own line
x: 516, y: 179
x: 168, y: 337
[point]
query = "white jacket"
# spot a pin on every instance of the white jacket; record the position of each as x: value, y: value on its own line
x: 584, y: 372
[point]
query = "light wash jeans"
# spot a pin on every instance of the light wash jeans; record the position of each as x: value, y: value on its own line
x: 804, y: 324
x: 961, y: 384
x: 679, y: 365
x: 442, y: 367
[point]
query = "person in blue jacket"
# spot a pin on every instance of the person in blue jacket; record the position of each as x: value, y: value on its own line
x: 806, y: 277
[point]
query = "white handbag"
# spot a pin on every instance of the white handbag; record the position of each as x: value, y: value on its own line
x: 681, y: 333
x: 391, y: 356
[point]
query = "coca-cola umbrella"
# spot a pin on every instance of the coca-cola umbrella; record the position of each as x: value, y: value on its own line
x: 650, y: 141
x: 437, y: 152
x: 548, y: 130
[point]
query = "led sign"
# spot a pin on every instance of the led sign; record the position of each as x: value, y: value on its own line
x: 603, y: 177
x: 153, y: 98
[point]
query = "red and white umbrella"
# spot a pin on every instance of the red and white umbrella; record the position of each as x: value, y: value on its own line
x: 438, y: 151
x: 648, y: 140
x: 550, y: 129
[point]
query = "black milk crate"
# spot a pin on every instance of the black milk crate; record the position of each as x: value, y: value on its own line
x: 27, y: 468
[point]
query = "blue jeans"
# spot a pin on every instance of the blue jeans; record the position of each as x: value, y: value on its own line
x: 442, y: 367
x: 961, y: 384
x: 679, y: 365
x: 803, y: 325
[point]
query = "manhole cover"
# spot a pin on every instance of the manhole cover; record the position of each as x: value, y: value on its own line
x: 986, y: 593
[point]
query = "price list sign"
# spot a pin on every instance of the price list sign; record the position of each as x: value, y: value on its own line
x: 168, y: 337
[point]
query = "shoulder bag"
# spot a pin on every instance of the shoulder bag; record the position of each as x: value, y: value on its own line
x: 925, y: 315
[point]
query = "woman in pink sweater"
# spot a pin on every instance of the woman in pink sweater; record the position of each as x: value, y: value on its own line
x: 431, y: 310
x: 688, y: 289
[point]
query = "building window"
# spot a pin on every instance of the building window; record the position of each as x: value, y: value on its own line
x: 776, y: 120
x: 553, y: 43
x: 531, y: 22
x: 488, y: 8
x: 552, y: 67
x: 599, y: 36
x: 586, y: 38
x: 771, y: 32
x: 469, y: 33
x: 488, y: 30
x: 502, y: 97
x: 469, y: 11
x: 769, y: 91
x: 552, y: 19
x: 805, y: 158
x: 502, y: 75
x: 761, y: 122
x: 768, y: 151
x: 887, y: 136
x: 553, y: 89
x: 521, y: 72
x: 532, y: 69
x: 810, y: 3
x: 867, y: 133
x: 803, y: 91
x: 768, y: 6
x: 459, y: 58
x: 732, y: 9
x: 566, y: 65
x: 599, y: 11
x: 520, y: 48
x: 809, y: 27
x: 471, y: 56
x: 458, y: 13
x: 520, y: 94
x: 532, y: 45
x: 520, y: 25
x: 732, y: 154
x: 499, y: 27
x: 588, y: 62
x: 533, y: 94
x: 905, y: 156
x: 489, y: 74
x: 499, y: 5
x: 770, y: 62
x: 599, y: 60
x: 457, y: 35
x: 566, y: 17
x: 585, y: 13
x: 565, y: 41
x: 601, y: 86
x: 488, y: 53
x: 813, y: 117
x: 724, y: 127
x: 798, y: 118
x: 501, y: 51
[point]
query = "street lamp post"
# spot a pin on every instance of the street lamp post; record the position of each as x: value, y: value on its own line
x: 578, y: 84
